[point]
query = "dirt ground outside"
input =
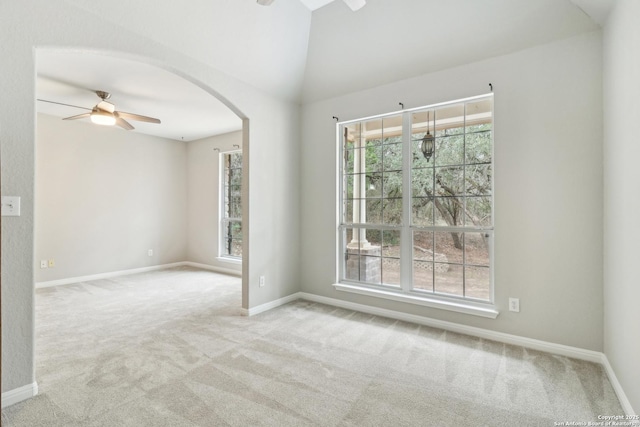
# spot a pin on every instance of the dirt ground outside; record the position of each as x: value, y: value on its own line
x: 440, y: 267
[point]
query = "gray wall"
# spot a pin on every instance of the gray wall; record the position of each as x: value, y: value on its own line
x: 270, y: 144
x: 621, y: 202
x: 548, y: 186
x: 204, y: 198
x: 104, y: 197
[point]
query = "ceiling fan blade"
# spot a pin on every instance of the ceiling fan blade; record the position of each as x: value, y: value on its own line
x: 79, y: 116
x: 66, y: 105
x: 106, y: 106
x: 136, y: 117
x: 123, y: 123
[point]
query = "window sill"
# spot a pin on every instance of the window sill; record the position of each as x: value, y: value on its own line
x: 488, y: 311
x: 236, y: 261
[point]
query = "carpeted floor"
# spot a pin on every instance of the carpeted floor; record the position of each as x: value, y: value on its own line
x: 170, y: 348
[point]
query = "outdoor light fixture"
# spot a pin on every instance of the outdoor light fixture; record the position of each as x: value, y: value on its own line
x: 426, y: 146
x: 102, y: 117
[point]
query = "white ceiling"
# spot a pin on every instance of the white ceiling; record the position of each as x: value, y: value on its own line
x: 186, y: 111
x: 315, y: 4
x: 267, y: 47
x: 392, y: 40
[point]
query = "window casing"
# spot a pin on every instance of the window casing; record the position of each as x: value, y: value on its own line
x: 231, y: 205
x: 413, y: 223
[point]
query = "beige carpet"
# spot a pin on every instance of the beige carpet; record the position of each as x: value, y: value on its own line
x: 170, y: 348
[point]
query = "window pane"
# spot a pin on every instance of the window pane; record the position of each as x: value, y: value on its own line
x: 478, y: 180
x: 418, y: 160
x: 231, y: 200
x: 351, y: 134
x: 348, y: 212
x: 448, y: 279
x: 349, y: 236
x: 423, y: 245
x: 232, y: 238
x: 478, y: 145
x: 422, y: 212
x: 392, y: 157
x: 347, y: 189
x: 478, y: 283
x: 478, y: 211
x: 373, y: 185
x: 391, y: 271
x: 392, y: 211
x: 374, y: 211
x: 423, y: 276
x: 448, y: 211
x: 449, y: 246
x: 392, y: 184
x: 479, y: 113
x: 422, y: 182
x: 372, y: 157
x: 352, y: 251
x: 391, y: 243
x: 236, y: 161
x: 392, y: 129
x: 449, y: 150
x: 450, y: 181
x: 350, y: 161
x: 372, y: 131
x: 374, y: 237
x: 450, y: 120
x: 476, y: 249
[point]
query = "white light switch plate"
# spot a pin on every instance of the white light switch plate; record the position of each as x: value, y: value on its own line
x: 10, y: 206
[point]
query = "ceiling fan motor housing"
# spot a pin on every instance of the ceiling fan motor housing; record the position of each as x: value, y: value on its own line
x: 103, y: 95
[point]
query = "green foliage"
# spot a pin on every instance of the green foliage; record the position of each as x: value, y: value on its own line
x: 452, y: 188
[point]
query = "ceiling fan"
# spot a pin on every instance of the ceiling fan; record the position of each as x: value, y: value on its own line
x: 105, y: 113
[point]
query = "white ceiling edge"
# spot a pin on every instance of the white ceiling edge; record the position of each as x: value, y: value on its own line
x: 598, y: 10
x: 317, y: 4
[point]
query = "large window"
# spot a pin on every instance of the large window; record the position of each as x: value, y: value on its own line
x: 231, y: 203
x: 416, y: 202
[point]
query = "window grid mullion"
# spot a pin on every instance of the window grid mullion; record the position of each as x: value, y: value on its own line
x: 406, y: 235
x: 464, y: 198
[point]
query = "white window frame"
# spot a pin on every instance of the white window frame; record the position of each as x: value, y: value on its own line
x: 405, y: 293
x: 222, y: 218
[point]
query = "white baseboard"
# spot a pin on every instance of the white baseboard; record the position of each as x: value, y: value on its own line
x: 19, y: 394
x: 273, y: 304
x: 563, y: 350
x: 559, y: 349
x: 617, y: 387
x: 70, y: 280
x: 214, y: 268
x: 98, y: 276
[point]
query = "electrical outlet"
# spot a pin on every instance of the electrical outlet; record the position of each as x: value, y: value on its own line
x: 52, y: 263
x: 150, y: 252
x: 10, y: 206
x: 43, y: 263
x: 262, y: 281
x: 514, y: 304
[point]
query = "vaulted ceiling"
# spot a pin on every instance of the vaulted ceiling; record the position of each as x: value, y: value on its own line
x: 301, y: 51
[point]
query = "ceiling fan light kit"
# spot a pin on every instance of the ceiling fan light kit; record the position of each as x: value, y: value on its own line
x: 101, y: 117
